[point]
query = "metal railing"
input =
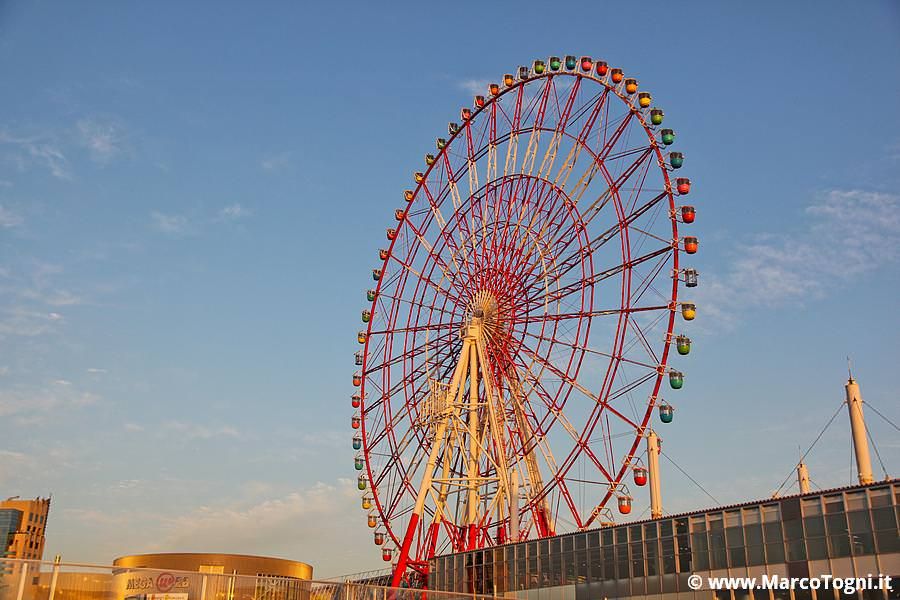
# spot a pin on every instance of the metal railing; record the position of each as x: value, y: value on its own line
x: 42, y: 580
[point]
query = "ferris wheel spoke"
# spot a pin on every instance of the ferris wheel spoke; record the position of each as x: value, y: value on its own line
x: 393, y: 360
x: 577, y: 386
x: 382, y: 297
x: 596, y: 105
x: 513, y: 146
x: 535, y: 135
x: 589, y: 281
x: 414, y: 328
x: 427, y: 280
x: 574, y: 259
x: 561, y: 122
x: 585, y: 314
x: 442, y: 222
x: 429, y: 249
x: 590, y: 350
x: 577, y: 438
x: 643, y: 340
x: 646, y: 282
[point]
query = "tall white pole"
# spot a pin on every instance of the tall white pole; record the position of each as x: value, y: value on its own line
x: 472, y: 501
x: 858, y: 428
x: 514, y: 505
x: 803, y: 477
x: 653, y: 461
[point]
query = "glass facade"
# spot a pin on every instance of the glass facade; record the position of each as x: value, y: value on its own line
x: 10, y: 519
x: 827, y: 532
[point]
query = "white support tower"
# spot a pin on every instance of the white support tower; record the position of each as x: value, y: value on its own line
x: 655, y: 488
x: 803, y: 477
x: 858, y: 429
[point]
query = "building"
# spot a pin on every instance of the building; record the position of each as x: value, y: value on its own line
x: 10, y: 518
x: 26, y: 539
x: 201, y: 576
x: 845, y: 532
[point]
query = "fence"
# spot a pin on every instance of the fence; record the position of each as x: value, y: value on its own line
x: 40, y: 580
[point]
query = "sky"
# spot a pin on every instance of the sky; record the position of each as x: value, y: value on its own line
x: 191, y: 195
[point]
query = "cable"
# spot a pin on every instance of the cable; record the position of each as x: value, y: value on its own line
x: 808, y: 450
x: 877, y: 453
x: 691, y: 478
x: 850, y: 474
x: 875, y: 410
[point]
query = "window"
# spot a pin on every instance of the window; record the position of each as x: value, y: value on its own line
x: 857, y: 500
x: 698, y: 524
x: 880, y: 497
x: 816, y: 548
x: 838, y: 545
x: 811, y: 507
x: 836, y: 524
x: 607, y: 536
x: 637, y: 559
x: 859, y: 521
x: 862, y: 543
x: 775, y: 552
x: 814, y: 526
x: 834, y: 504
x: 668, y: 554
x: 883, y: 519
x: 732, y: 518
x: 580, y: 541
x: 751, y: 516
x: 887, y: 541
x: 634, y: 533
x: 772, y: 532
x: 793, y: 530
x: 700, y: 551
x: 755, y: 555
x: 665, y: 528
x: 796, y: 550
x: 622, y: 560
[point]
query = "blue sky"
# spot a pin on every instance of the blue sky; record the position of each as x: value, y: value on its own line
x: 191, y: 198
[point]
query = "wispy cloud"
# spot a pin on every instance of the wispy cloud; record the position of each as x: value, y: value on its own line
x: 276, y: 162
x: 848, y: 233
x: 96, y: 371
x: 39, y: 150
x: 170, y: 224
x: 307, y: 514
x: 21, y: 321
x: 33, y: 403
x: 234, y: 212
x: 9, y: 219
x: 476, y: 87
x: 104, y: 139
x: 201, y: 432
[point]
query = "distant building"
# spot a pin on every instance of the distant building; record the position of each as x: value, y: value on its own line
x: 183, y: 576
x: 22, y: 527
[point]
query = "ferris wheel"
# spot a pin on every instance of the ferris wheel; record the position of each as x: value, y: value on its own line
x: 517, y: 335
